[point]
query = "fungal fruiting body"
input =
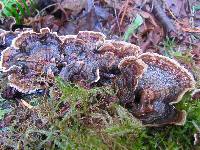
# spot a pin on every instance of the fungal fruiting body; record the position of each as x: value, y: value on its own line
x: 34, y: 58
x: 147, y: 84
x: 150, y: 84
x: 30, y: 57
x: 88, y: 56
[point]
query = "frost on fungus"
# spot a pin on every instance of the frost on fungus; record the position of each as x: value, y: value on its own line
x: 147, y: 84
x: 90, y: 58
x: 81, y: 58
x: 31, y: 56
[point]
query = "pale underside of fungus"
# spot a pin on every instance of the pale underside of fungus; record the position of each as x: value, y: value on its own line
x: 147, y: 84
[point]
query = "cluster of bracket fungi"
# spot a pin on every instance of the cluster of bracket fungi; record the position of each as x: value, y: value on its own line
x: 147, y: 84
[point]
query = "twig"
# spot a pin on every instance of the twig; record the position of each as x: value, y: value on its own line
x: 124, y: 12
x: 192, y: 13
x: 45, y: 9
x: 117, y: 19
x: 24, y: 103
x: 162, y: 17
x: 171, y: 13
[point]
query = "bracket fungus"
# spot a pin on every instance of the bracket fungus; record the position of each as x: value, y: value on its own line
x: 80, y: 58
x: 30, y: 56
x: 91, y: 58
x: 7, y: 37
x: 150, y: 84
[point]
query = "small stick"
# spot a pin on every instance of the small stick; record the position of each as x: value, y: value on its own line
x: 161, y: 15
x: 39, y: 12
x: 172, y: 14
x: 24, y: 103
x: 117, y: 19
x: 124, y: 12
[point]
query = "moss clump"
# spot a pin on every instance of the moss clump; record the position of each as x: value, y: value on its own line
x: 77, y: 118
x: 71, y: 117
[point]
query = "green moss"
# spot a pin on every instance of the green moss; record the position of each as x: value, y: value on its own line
x: 174, y: 137
x: 95, y: 127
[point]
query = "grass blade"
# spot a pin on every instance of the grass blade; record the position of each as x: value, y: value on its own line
x: 136, y: 23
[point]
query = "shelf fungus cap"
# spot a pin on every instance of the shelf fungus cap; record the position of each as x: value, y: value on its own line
x: 132, y: 70
x: 117, y: 50
x: 81, y: 59
x: 120, y: 48
x: 150, y: 84
x: 93, y: 39
x: 91, y: 58
x: 29, y: 59
x: 9, y: 58
x: 84, y: 62
x: 73, y: 49
x: 24, y: 82
x: 167, y: 76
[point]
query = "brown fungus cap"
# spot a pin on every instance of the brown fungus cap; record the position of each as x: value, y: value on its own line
x: 30, y: 59
x: 33, y: 55
x: 73, y: 49
x: 24, y: 82
x: 9, y: 58
x: 132, y: 70
x: 113, y: 52
x: 91, y: 59
x: 172, y: 79
x: 82, y: 61
x: 120, y: 48
x: 7, y: 37
x: 150, y: 92
x: 77, y: 63
x: 92, y: 39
